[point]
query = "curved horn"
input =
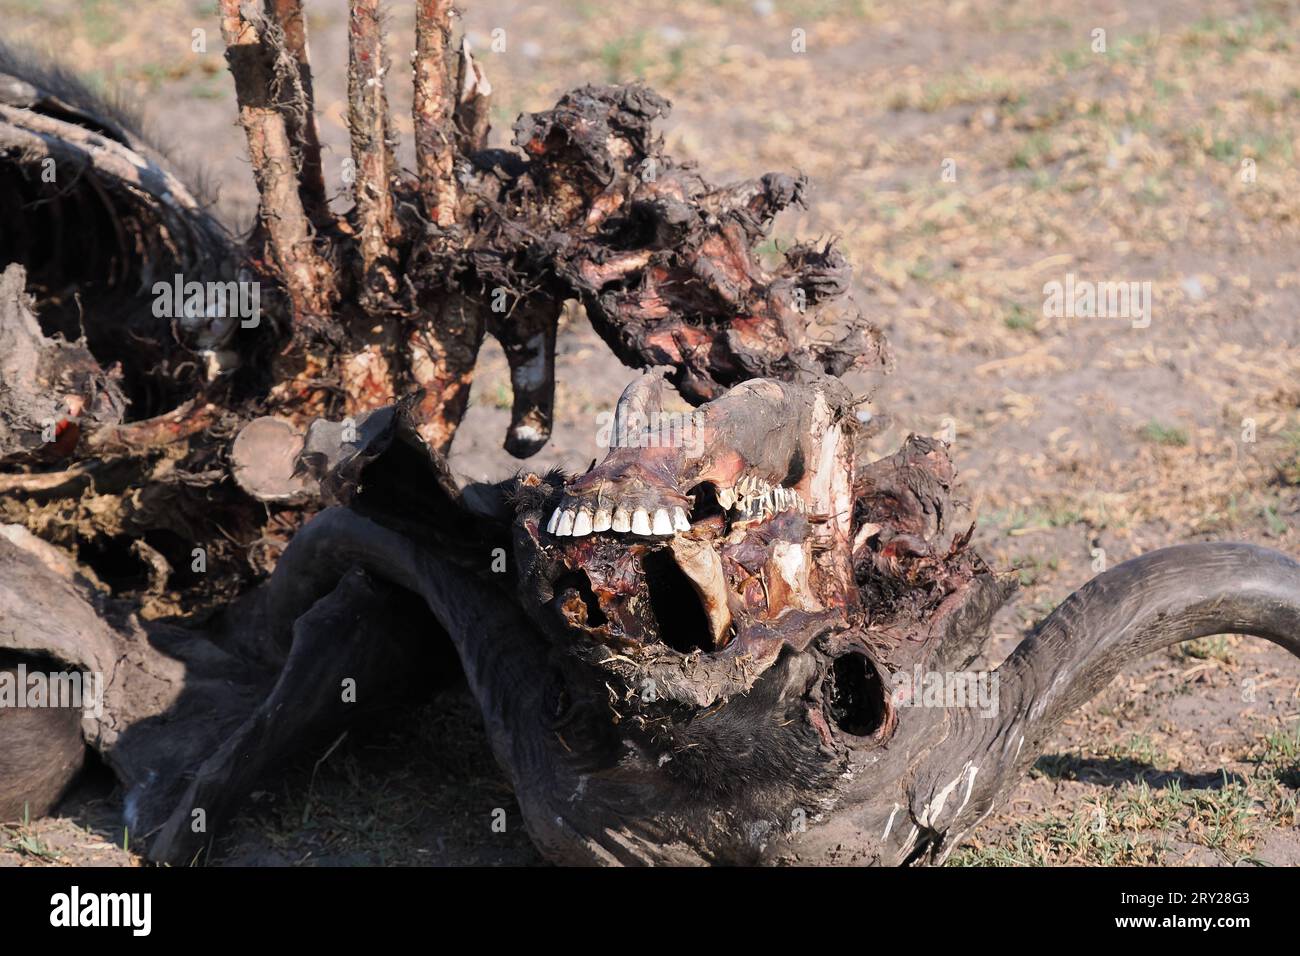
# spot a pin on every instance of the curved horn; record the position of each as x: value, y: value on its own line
x: 1162, y: 598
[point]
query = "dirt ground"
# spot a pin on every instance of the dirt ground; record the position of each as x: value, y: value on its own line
x: 964, y: 154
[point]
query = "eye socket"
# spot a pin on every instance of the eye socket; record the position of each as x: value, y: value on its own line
x: 855, y: 695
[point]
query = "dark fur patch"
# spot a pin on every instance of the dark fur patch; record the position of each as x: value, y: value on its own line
x: 41, y: 750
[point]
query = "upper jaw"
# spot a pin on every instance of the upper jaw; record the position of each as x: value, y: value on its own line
x: 640, y: 508
x: 640, y: 513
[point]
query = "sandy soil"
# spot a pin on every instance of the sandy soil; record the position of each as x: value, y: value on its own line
x: 1170, y: 158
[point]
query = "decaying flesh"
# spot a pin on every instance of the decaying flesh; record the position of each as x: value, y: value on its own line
x: 748, y: 499
x: 489, y: 242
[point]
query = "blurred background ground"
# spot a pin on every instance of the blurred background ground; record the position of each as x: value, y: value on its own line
x: 1170, y: 158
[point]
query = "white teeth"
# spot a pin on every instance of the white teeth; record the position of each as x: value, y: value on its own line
x: 622, y: 521
x: 662, y: 521
x: 641, y: 521
x: 755, y: 499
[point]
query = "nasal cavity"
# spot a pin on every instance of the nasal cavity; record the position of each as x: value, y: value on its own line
x: 681, y: 621
x: 855, y: 695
